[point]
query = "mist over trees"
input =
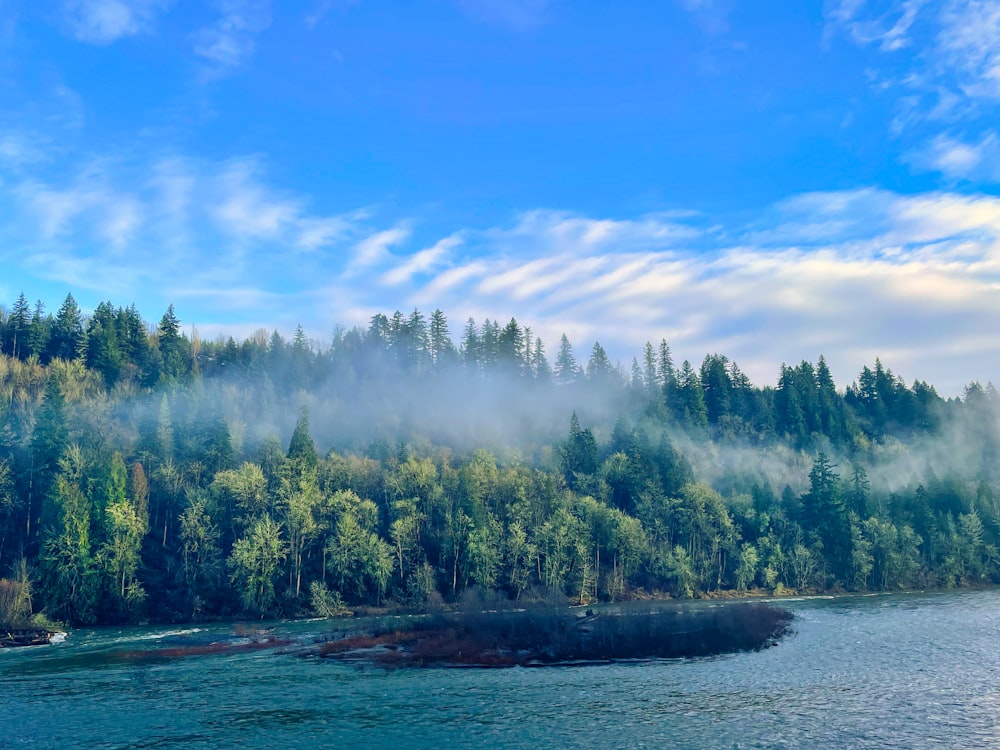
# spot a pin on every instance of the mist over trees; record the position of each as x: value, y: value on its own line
x: 148, y: 474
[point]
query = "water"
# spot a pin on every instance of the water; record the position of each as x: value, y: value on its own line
x: 901, y: 671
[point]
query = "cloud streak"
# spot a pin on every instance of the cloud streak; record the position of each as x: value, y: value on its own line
x: 102, y: 22
x: 849, y: 274
x: 231, y: 41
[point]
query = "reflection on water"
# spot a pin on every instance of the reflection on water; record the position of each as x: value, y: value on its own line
x: 912, y: 670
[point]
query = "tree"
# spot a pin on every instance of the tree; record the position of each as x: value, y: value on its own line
x: 125, y: 526
x: 471, y: 351
x: 690, y: 399
x: 565, y: 369
x: 599, y: 367
x: 579, y: 453
x: 825, y: 513
x: 175, y: 349
x: 49, y: 441
x: 255, y: 563
x: 39, y: 331
x: 510, y: 348
x: 16, y: 331
x: 360, y: 562
x: 200, y: 551
x: 300, y: 501
x: 441, y: 349
x: 70, y: 581
x: 67, y: 336
x: 301, y: 448
x: 717, y: 388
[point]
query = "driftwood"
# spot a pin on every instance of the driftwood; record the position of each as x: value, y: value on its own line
x: 14, y: 637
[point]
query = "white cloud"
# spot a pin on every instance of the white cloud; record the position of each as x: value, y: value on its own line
x: 374, y: 249
x: 421, y: 261
x: 958, y: 159
x: 969, y: 44
x: 519, y: 15
x: 247, y: 209
x: 711, y: 15
x: 945, y: 58
x: 18, y: 150
x: 230, y: 42
x: 888, y: 28
x: 105, y: 21
x: 848, y: 274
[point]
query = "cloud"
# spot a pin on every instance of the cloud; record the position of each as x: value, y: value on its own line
x: 246, y: 208
x: 374, y: 249
x: 945, y: 63
x: 17, y: 150
x: 230, y: 42
x: 849, y: 274
x: 889, y: 28
x: 969, y: 45
x: 105, y: 21
x: 421, y: 261
x: 711, y: 15
x: 961, y: 160
x: 518, y: 15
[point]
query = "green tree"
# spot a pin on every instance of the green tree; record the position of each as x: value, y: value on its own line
x: 565, y: 369
x: 256, y: 563
x: 125, y: 526
x: 67, y: 338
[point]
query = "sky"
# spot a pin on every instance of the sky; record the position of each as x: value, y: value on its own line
x: 771, y: 180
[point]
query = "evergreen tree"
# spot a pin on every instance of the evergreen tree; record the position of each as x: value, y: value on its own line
x: 510, y: 348
x: 441, y: 348
x: 599, y: 367
x: 301, y: 448
x: 39, y: 331
x: 471, y: 347
x: 690, y: 399
x: 175, y: 350
x: 565, y: 369
x: 67, y: 335
x: 15, y: 332
x: 540, y: 365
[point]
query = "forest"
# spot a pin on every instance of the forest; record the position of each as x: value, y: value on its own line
x: 149, y: 475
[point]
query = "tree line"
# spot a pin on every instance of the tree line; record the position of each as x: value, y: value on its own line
x: 134, y: 486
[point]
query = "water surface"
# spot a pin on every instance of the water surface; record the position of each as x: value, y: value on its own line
x: 913, y: 670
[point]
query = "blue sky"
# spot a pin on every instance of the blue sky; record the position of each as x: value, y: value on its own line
x: 771, y: 181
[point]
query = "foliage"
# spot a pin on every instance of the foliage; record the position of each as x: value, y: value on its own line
x: 144, y: 475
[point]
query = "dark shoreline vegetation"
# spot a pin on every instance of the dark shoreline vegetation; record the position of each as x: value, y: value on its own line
x: 150, y: 476
x: 546, y: 636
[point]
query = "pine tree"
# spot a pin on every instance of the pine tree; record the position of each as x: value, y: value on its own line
x: 540, y: 365
x: 301, y: 448
x: 174, y: 348
x: 565, y: 370
x: 16, y: 330
x: 442, y: 349
x: 67, y: 331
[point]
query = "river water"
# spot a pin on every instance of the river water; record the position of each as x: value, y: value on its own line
x: 899, y: 671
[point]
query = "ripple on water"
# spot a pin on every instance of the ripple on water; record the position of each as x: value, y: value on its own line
x: 915, y: 671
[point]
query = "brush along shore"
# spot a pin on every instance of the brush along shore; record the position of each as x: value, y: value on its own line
x: 546, y: 637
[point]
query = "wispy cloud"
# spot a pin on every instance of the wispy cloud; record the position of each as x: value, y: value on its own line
x: 711, y: 15
x: 519, y: 15
x: 18, y: 150
x: 230, y: 42
x: 374, y: 250
x: 105, y: 21
x: 849, y: 274
x: 888, y: 27
x: 945, y: 63
x: 421, y: 261
x: 959, y: 159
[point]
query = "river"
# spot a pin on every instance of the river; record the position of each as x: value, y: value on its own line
x: 897, y: 671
